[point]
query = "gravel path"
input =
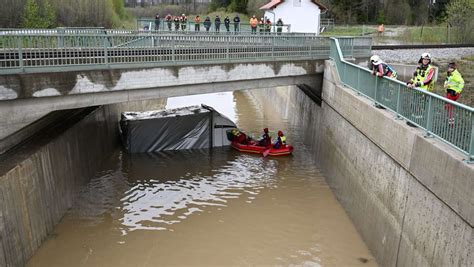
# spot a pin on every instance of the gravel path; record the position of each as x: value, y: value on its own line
x: 413, y: 55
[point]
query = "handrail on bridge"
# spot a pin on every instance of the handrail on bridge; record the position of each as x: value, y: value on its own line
x: 63, y: 51
x: 447, y: 120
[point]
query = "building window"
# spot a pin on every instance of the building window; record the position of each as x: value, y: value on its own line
x: 297, y: 3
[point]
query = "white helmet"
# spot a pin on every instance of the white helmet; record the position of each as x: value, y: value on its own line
x: 375, y: 60
x: 423, y: 56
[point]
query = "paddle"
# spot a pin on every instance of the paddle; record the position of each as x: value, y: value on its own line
x: 266, y: 152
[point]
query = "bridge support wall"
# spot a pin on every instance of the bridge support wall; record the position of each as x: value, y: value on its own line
x: 410, y: 197
x: 38, y: 186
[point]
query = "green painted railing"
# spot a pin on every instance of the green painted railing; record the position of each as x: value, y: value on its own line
x: 447, y: 120
x: 46, y: 52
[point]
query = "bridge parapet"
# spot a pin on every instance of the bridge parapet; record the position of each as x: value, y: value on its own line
x: 70, y: 51
x: 440, y: 117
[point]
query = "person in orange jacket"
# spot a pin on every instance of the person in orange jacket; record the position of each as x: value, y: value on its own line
x: 253, y: 24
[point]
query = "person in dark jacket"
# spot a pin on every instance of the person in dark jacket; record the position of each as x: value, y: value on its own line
x: 169, y: 21
x: 279, y: 25
x: 207, y: 23
x: 157, y: 22
x: 176, y: 23
x: 217, y: 23
x: 236, y: 23
x: 227, y: 23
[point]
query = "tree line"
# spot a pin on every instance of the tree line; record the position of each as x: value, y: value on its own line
x: 109, y: 13
x: 66, y: 13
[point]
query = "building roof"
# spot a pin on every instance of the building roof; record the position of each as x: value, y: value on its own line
x: 275, y: 3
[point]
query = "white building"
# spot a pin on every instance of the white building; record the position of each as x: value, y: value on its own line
x: 302, y: 15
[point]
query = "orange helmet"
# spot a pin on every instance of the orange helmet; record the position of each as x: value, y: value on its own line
x: 280, y: 133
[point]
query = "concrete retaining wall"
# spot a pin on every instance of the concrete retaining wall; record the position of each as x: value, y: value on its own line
x: 410, y: 197
x: 39, y: 185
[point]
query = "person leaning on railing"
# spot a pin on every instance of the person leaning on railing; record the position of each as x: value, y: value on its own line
x: 424, y: 74
x: 380, y: 68
x: 176, y: 23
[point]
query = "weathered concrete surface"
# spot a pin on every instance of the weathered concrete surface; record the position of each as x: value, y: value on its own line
x: 410, y: 197
x: 38, y: 185
x: 27, y: 97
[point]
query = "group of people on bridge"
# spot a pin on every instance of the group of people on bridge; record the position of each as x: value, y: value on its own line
x: 265, y: 140
x: 181, y: 22
x: 423, y: 77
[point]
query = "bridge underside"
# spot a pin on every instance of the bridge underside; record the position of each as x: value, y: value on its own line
x: 28, y: 97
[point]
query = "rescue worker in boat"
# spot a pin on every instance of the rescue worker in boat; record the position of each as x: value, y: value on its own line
x: 239, y: 137
x: 281, y: 140
x: 265, y: 140
x: 380, y: 68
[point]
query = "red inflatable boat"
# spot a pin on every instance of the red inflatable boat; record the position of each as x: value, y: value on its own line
x: 253, y: 148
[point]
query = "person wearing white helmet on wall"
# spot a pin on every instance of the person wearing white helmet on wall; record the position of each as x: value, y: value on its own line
x: 423, y: 77
x: 380, y: 68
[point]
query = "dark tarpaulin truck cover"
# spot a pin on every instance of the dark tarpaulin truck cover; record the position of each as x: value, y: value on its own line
x: 191, y: 127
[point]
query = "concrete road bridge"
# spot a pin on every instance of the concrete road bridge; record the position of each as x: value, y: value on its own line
x: 407, y: 190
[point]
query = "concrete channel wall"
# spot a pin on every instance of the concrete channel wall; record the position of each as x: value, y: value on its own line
x: 410, y: 197
x: 38, y: 185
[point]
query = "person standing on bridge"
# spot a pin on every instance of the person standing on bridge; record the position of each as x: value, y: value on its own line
x: 157, y: 22
x: 197, y: 22
x: 176, y: 23
x: 227, y: 23
x: 184, y: 21
x: 217, y: 23
x: 236, y: 23
x: 453, y: 84
x: 207, y: 23
x: 169, y: 21
x: 279, y: 25
x: 424, y: 74
x: 253, y: 24
x: 380, y: 68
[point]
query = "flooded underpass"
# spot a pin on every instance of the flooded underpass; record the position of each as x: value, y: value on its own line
x: 209, y: 207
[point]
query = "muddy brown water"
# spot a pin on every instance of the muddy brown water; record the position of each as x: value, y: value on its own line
x: 208, y: 207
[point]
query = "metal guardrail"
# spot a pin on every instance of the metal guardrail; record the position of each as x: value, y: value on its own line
x: 447, y: 120
x: 20, y: 53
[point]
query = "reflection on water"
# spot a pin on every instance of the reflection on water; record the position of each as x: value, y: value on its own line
x: 208, y: 207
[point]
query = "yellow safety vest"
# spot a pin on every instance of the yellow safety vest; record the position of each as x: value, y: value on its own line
x: 454, y: 81
x: 420, y: 77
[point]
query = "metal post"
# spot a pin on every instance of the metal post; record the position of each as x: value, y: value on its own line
x: 471, y: 145
x: 399, y: 100
x: 429, y: 117
x: 20, y: 54
x: 375, y: 91
x: 106, y: 56
x: 173, y: 52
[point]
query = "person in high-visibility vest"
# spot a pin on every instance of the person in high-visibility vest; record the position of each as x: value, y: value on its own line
x: 424, y: 74
x: 281, y: 140
x: 453, y: 84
